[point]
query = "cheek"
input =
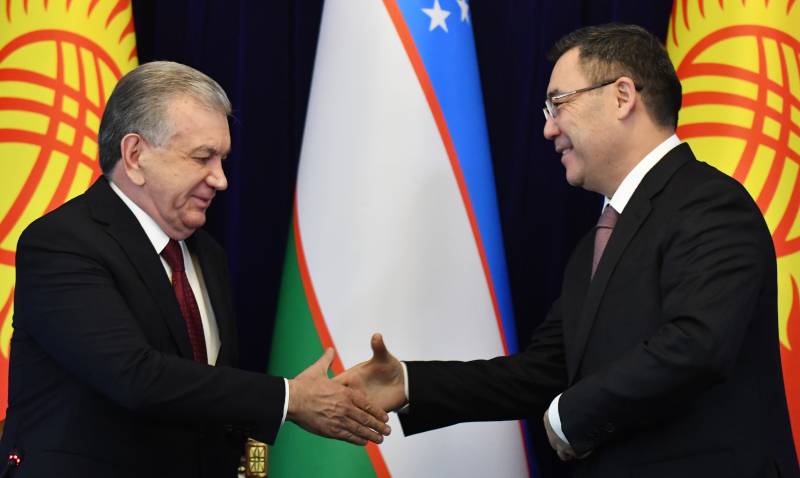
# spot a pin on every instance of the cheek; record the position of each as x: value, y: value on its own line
x: 190, y: 183
x: 574, y: 134
x: 575, y: 165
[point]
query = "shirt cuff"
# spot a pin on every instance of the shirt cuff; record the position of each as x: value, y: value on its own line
x: 555, y: 419
x: 405, y: 380
x: 404, y: 408
x: 285, y: 400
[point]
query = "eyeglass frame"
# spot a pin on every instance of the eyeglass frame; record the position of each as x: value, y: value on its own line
x: 550, y: 109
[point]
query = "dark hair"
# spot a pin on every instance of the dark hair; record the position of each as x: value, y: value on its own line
x: 613, y: 50
x: 139, y: 104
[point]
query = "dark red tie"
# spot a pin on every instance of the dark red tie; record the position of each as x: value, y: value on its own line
x: 183, y: 292
x: 603, y: 230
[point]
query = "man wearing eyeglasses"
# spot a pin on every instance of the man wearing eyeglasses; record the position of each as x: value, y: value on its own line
x: 660, y: 358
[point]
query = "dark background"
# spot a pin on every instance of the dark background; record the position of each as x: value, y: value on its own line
x: 262, y: 53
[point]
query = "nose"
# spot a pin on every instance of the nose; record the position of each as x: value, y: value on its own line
x: 216, y: 177
x: 550, y: 130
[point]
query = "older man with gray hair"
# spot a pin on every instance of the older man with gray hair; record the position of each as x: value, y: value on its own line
x: 124, y: 334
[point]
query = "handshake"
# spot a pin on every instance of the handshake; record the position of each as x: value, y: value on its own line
x: 353, y: 405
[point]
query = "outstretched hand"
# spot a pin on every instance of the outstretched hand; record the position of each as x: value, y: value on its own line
x: 322, y: 406
x: 380, y: 378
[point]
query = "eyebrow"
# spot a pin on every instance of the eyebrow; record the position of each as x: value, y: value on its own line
x: 208, y: 150
x: 554, y: 92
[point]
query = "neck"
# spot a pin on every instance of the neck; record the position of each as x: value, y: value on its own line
x: 139, y: 197
x: 637, y: 143
x: 130, y: 189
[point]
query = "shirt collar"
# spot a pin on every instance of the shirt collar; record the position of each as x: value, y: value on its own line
x: 628, y: 185
x: 157, y: 236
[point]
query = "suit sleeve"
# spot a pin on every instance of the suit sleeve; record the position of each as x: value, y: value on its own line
x: 716, y: 262
x: 503, y: 388
x: 68, y: 303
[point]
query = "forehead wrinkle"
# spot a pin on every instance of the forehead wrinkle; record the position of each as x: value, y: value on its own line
x: 182, y: 136
x: 211, y: 151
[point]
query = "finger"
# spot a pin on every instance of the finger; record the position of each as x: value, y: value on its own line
x: 566, y: 450
x: 375, y: 413
x: 365, y: 419
x: 350, y: 438
x: 324, y: 362
x: 379, y: 350
x: 358, y: 430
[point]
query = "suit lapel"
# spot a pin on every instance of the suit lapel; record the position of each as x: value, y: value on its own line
x: 628, y: 224
x: 630, y: 221
x: 214, y: 276
x: 107, y: 208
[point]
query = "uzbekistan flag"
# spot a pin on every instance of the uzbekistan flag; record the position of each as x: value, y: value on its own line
x: 396, y: 230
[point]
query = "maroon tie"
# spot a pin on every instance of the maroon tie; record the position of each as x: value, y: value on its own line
x: 603, y: 230
x: 183, y: 292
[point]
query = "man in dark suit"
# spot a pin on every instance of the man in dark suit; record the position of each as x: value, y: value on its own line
x: 660, y: 358
x: 124, y: 335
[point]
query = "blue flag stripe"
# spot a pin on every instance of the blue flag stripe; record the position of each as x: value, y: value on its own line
x: 451, y: 65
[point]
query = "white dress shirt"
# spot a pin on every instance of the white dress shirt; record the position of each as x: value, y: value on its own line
x: 618, y: 201
x: 159, y: 239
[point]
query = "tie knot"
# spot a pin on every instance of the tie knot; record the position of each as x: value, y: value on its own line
x: 173, y: 255
x: 608, y: 218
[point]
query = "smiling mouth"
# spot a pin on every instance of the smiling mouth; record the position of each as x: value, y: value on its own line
x: 204, y: 202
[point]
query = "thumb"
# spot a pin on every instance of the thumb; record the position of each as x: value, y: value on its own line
x: 322, y: 365
x: 379, y: 351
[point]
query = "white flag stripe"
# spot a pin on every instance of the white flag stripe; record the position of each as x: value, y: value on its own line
x: 386, y: 236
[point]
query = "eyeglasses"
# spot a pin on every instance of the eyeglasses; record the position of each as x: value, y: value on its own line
x: 551, y: 103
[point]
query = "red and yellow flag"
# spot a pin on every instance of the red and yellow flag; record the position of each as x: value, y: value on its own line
x: 59, y: 61
x: 739, y: 64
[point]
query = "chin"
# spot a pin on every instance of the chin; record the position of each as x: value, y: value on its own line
x: 574, y: 181
x: 195, y: 221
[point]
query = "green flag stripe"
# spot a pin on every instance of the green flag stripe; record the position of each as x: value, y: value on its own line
x: 296, y: 345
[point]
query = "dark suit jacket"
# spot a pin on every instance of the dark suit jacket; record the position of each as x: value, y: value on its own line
x: 668, y: 358
x: 102, y: 381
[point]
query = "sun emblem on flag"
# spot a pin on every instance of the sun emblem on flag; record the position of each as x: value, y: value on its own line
x: 59, y: 61
x: 739, y: 64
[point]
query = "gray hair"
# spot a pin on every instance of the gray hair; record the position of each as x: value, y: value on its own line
x: 140, y: 100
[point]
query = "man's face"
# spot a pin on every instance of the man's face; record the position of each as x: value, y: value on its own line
x: 182, y: 176
x: 580, y: 129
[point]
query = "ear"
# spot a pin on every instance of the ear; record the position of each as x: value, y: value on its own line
x: 625, y: 90
x: 131, y: 147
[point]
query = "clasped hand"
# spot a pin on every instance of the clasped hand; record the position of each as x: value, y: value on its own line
x: 382, y: 381
x: 563, y: 449
x: 379, y: 378
x: 329, y: 408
